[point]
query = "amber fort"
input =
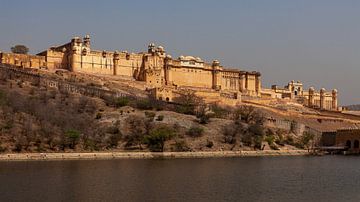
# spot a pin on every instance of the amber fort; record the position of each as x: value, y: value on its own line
x: 168, y: 76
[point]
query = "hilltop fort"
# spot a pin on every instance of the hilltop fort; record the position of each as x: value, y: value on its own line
x: 167, y: 77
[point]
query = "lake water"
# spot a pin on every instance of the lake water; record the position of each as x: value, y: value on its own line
x: 327, y: 178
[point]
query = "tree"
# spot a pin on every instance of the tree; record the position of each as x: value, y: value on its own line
x: 306, y: 139
x: 157, y: 138
x: 138, y: 128
x: 188, y: 102
x: 257, y: 132
x: 20, y: 49
x: 195, y: 131
x: 202, y: 115
x: 73, y: 136
x: 249, y: 114
x: 231, y: 131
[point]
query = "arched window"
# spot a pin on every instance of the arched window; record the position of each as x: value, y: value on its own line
x: 348, y: 144
x: 356, y: 144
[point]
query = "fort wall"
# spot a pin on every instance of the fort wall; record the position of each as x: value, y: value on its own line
x: 323, y: 100
x: 22, y: 60
x: 9, y: 72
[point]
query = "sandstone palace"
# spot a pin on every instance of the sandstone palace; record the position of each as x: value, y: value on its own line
x: 167, y: 77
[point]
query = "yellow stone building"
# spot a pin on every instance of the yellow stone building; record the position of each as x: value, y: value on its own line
x: 322, y: 99
x: 156, y: 68
x: 167, y: 76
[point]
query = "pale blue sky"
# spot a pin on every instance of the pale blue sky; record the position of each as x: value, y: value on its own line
x: 315, y: 41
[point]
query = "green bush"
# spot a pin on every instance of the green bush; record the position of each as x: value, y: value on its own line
x: 258, y: 141
x: 2, y: 98
x: 195, y: 131
x: 257, y: 130
x: 72, y: 137
x: 157, y: 138
x: 185, y: 109
x: 98, y: 115
x: 219, y: 112
x: 121, y: 101
x: 114, y: 140
x: 289, y: 140
x: 229, y: 134
x: 150, y: 115
x: 246, y: 139
x: 306, y: 139
x: 8, y: 125
x: 144, y: 104
x: 112, y: 130
x: 160, y: 118
x: 180, y: 146
x: 209, y: 143
x: 90, y: 144
x: 270, y: 139
x: 203, y: 118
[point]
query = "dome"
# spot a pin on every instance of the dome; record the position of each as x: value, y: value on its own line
x: 312, y: 89
x: 189, y: 58
x: 334, y: 90
x: 322, y: 90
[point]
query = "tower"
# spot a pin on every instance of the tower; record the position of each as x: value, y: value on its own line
x: 151, y: 48
x: 116, y: 62
x: 311, y: 96
x: 75, y: 56
x: 322, y: 98
x: 216, y: 75
x: 167, y: 69
x: 87, y: 41
x: 334, y: 101
x: 258, y: 84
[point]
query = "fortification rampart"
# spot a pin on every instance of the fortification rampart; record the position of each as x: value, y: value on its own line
x: 36, y: 78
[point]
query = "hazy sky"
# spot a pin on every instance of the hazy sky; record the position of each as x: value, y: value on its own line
x: 314, y: 41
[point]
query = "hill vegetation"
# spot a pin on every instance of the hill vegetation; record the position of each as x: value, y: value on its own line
x: 37, y: 119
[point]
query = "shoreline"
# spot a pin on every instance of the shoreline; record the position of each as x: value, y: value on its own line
x: 146, y: 155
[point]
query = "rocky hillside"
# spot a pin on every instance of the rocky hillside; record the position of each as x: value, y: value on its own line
x: 37, y: 119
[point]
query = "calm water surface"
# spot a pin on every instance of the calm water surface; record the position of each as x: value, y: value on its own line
x: 329, y: 178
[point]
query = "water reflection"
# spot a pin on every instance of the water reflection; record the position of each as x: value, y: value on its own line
x: 330, y: 178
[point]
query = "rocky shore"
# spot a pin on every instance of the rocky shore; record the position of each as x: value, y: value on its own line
x: 146, y: 155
